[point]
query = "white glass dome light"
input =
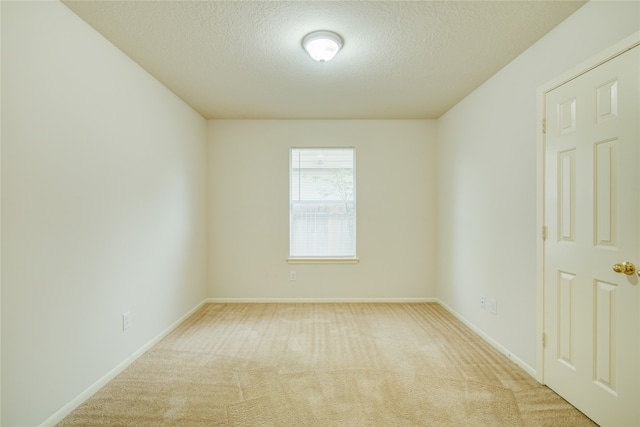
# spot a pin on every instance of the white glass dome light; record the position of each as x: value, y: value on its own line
x: 322, y: 45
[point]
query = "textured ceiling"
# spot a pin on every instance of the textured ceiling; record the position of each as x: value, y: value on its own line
x: 401, y: 59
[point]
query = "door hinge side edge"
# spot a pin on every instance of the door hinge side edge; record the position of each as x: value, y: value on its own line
x: 544, y: 125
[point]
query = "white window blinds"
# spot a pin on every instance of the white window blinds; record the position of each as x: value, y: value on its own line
x: 322, y: 221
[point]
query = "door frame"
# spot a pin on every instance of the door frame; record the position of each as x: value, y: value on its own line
x: 597, y: 60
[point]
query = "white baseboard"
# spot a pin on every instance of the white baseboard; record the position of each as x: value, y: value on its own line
x: 318, y: 300
x: 91, y: 390
x: 528, y: 369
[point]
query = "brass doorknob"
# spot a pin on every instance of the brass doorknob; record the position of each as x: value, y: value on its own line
x: 626, y: 267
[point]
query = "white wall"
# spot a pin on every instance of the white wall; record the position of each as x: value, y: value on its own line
x: 249, y: 209
x: 104, y: 188
x: 487, y: 179
x: 103, y: 208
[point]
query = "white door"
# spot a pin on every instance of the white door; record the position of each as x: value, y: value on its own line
x: 592, y: 192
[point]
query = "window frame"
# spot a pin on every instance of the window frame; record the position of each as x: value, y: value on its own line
x: 329, y: 259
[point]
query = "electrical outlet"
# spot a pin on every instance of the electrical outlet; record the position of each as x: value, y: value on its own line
x: 126, y: 321
x: 483, y: 303
x: 493, y: 306
x: 292, y: 276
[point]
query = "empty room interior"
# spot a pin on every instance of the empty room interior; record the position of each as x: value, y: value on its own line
x: 147, y: 168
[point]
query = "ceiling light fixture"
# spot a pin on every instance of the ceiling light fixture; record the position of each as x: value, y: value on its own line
x: 322, y: 45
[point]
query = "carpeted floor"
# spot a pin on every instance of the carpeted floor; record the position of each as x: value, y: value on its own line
x: 324, y: 365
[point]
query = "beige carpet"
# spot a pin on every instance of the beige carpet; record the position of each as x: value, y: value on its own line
x: 324, y: 365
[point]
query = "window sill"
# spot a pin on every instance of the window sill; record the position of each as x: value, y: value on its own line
x: 323, y: 260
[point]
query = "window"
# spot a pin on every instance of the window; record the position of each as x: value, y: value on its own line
x: 322, y: 218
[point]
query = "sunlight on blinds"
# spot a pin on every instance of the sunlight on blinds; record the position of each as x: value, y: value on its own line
x: 322, y: 208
